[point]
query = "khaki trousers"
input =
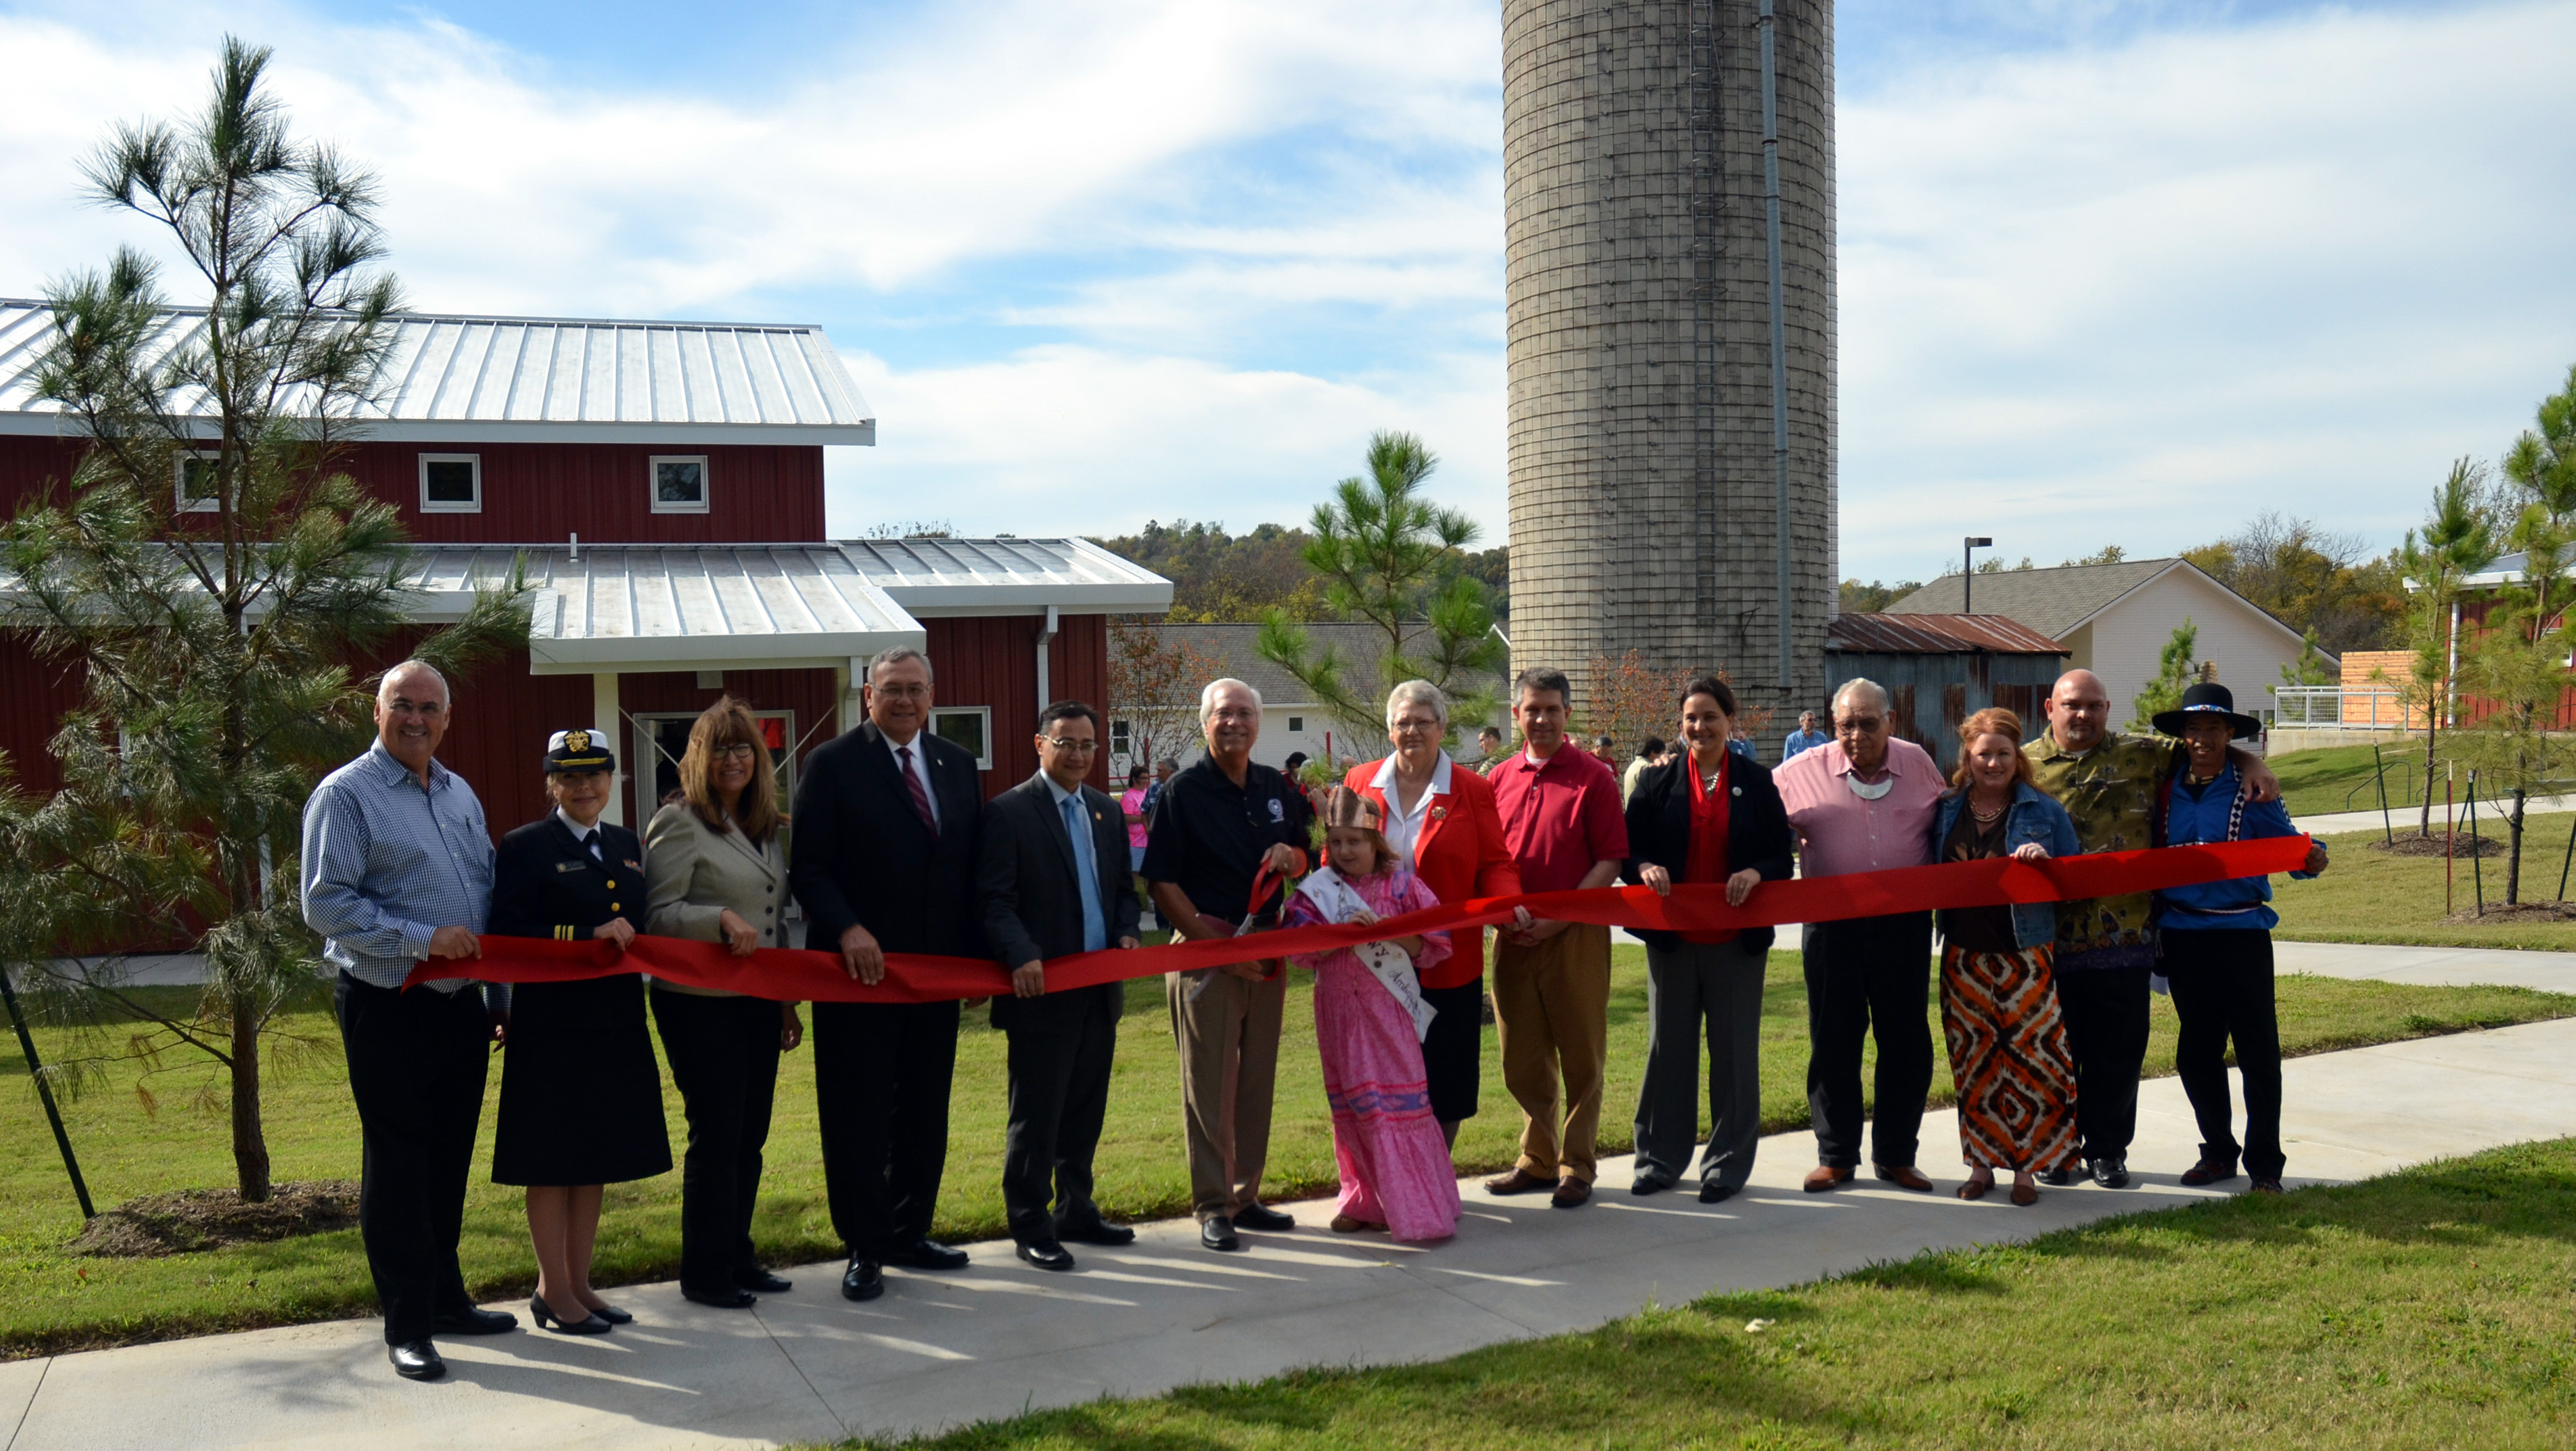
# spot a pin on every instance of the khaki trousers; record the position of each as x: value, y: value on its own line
x: 1552, y: 1015
x: 1229, y: 1052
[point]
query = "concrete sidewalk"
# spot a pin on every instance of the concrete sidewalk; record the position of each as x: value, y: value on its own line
x: 2405, y: 818
x: 2430, y: 966
x: 944, y: 1350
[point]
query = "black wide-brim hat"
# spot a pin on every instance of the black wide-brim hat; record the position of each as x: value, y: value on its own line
x: 579, y: 751
x: 2205, y: 699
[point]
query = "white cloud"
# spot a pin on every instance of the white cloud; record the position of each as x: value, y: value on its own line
x: 2139, y: 294
x: 1065, y: 439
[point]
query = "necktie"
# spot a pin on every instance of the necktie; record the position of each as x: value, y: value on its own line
x: 592, y: 841
x: 920, y: 793
x: 1095, y: 932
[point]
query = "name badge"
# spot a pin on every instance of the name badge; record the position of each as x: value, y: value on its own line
x: 572, y: 866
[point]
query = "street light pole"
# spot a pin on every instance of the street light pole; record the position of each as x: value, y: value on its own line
x: 1968, y: 571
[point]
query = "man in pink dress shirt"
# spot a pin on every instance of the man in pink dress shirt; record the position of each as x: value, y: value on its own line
x: 1864, y: 802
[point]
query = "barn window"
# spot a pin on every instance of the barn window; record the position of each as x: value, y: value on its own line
x: 193, y: 483
x: 451, y: 483
x: 680, y: 484
x: 970, y: 726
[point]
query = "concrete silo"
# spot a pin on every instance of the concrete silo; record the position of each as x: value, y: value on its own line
x: 1645, y: 481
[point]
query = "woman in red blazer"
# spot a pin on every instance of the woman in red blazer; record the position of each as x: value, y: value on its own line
x: 1440, y: 816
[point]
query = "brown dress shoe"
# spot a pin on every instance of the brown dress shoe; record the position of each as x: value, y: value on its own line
x: 1518, y: 1181
x: 1570, y: 1192
x: 1824, y: 1177
x: 1904, y: 1177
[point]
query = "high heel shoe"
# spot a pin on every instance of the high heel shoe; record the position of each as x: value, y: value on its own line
x: 586, y: 1325
x: 614, y: 1316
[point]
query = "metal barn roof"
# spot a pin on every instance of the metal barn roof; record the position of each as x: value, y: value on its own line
x: 621, y: 607
x: 1936, y: 635
x: 465, y: 379
x: 1007, y: 576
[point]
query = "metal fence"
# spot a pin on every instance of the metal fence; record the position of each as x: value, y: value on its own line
x: 2332, y: 707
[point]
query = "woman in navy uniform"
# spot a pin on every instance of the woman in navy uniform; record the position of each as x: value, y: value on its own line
x: 581, y: 1097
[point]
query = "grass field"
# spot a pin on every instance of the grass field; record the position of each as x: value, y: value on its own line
x: 2425, y: 1309
x: 2372, y: 896
x: 51, y: 1300
x: 2338, y: 778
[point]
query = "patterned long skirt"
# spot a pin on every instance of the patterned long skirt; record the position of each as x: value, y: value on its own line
x: 1394, y: 1165
x: 2008, y: 1057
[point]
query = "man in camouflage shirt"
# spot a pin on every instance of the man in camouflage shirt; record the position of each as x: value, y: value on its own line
x: 2106, y: 948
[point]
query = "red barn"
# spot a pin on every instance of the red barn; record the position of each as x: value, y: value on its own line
x: 662, y: 482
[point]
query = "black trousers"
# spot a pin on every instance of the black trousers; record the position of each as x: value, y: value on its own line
x: 2106, y: 1030
x: 1869, y: 975
x: 2222, y: 989
x: 1059, y: 1095
x: 881, y: 1077
x: 1691, y: 988
x: 1453, y: 1052
x: 416, y: 1067
x: 724, y: 1058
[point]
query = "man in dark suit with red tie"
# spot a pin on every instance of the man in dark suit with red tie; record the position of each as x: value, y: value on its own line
x: 886, y: 829
x: 1053, y: 883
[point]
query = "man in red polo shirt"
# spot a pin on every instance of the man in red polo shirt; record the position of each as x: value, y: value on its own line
x: 1561, y: 819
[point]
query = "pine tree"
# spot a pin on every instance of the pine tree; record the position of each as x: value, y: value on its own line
x: 2175, y: 670
x: 1390, y: 557
x: 210, y: 574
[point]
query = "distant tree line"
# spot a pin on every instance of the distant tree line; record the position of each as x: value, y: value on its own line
x: 2327, y: 586
x: 1236, y: 579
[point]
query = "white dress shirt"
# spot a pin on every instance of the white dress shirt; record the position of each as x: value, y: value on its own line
x: 1404, y: 828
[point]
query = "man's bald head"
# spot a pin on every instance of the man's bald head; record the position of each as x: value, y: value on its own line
x: 416, y: 678
x: 2078, y: 710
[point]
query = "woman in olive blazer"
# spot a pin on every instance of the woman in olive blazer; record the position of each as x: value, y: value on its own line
x: 715, y: 872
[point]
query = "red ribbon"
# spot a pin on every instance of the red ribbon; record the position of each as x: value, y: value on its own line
x: 803, y: 975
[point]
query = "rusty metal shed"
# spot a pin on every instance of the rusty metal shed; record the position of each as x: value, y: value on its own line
x: 1941, y: 669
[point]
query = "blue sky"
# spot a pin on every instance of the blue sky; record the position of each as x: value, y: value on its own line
x: 2110, y: 271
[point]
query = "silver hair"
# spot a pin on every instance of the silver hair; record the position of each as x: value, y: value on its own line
x: 1207, y: 696
x: 384, y: 687
x: 897, y: 656
x: 1885, y: 702
x: 1417, y: 692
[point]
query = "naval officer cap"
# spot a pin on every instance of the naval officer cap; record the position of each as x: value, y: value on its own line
x: 578, y: 750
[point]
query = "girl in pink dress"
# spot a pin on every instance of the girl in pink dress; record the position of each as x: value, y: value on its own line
x: 1369, y: 1019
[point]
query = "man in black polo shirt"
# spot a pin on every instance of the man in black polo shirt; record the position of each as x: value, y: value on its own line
x: 1214, y: 828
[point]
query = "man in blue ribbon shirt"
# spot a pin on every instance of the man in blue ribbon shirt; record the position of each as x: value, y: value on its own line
x: 397, y: 870
x: 2217, y: 939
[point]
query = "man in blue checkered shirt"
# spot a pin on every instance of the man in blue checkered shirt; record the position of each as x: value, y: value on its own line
x: 397, y: 869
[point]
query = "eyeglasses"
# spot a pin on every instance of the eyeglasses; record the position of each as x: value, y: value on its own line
x: 735, y: 752
x: 1859, y: 724
x: 1065, y: 743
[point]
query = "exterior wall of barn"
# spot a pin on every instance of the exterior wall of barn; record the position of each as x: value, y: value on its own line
x: 539, y: 493
x: 1931, y: 694
x: 991, y: 661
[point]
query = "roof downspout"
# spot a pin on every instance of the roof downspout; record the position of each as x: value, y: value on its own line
x: 1046, y: 637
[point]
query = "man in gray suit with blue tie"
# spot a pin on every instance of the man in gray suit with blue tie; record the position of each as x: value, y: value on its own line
x: 1052, y: 880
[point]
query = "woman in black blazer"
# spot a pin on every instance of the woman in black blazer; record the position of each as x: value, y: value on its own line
x: 581, y: 1097
x: 1707, y: 815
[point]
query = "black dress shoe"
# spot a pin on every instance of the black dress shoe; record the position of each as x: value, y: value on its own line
x: 2111, y: 1173
x: 928, y: 1255
x: 2208, y: 1171
x: 1645, y: 1184
x: 1716, y: 1193
x: 761, y: 1282
x: 731, y: 1297
x: 1046, y: 1254
x: 546, y: 1318
x: 614, y: 1316
x: 2059, y: 1178
x: 863, y: 1280
x: 1217, y: 1232
x: 470, y: 1321
x: 1264, y: 1218
x: 416, y: 1360
x: 1098, y: 1231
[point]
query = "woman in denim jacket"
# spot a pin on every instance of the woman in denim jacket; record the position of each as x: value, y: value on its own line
x: 1999, y: 1011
